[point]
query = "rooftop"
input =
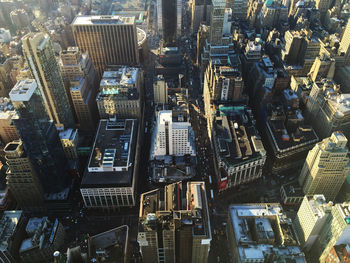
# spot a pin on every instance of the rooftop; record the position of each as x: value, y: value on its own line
x: 262, y: 218
x: 68, y: 134
x: 7, y: 110
x: 110, y: 245
x: 236, y: 137
x: 112, y: 158
x: 23, y: 90
x: 103, y: 20
x: 8, y: 225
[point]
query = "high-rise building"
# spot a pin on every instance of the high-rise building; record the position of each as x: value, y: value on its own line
x: 254, y: 8
x: 312, y: 215
x: 22, y: 178
x: 326, y: 167
x: 174, y: 135
x: 199, y: 13
x: 81, y: 82
x: 160, y: 90
x: 39, y: 135
x: 109, y: 40
x: 294, y: 49
x: 335, y: 232
x: 8, y: 114
x: 38, y: 50
x: 327, y: 109
x: 261, y: 233
x: 323, y: 67
x: 174, y: 225
x: 169, y: 19
x: 344, y: 45
x: 120, y: 93
x: 239, y: 8
x: 110, y: 179
x: 217, y: 21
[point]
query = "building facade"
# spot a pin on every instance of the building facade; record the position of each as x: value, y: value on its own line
x: 326, y: 167
x: 38, y: 50
x: 39, y: 136
x: 173, y: 136
x: 8, y: 130
x: 109, y: 40
x: 22, y: 178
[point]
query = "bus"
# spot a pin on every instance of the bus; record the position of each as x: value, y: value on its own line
x: 210, y: 179
x: 211, y: 193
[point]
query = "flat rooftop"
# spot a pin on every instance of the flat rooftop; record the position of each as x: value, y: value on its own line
x: 7, y: 110
x: 112, y: 158
x: 236, y: 136
x: 103, y: 20
x: 8, y: 224
x: 23, y: 90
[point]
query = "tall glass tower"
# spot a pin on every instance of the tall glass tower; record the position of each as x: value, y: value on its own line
x: 39, y: 136
x: 38, y: 50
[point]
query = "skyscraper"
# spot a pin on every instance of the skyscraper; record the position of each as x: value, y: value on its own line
x: 326, y: 167
x: 169, y: 15
x: 173, y: 136
x: 217, y: 21
x: 38, y: 50
x: 39, y: 135
x: 311, y: 217
x: 22, y: 179
x: 239, y: 8
x: 199, y: 13
x: 109, y: 40
x: 345, y: 43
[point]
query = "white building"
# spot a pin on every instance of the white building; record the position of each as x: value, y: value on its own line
x: 172, y: 136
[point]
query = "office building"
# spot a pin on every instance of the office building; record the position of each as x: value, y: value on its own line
x: 174, y: 224
x: 8, y: 114
x: 311, y: 217
x: 292, y: 193
x: 323, y: 67
x: 169, y: 20
x: 43, y: 238
x: 69, y: 139
x: 120, y: 93
x: 327, y: 109
x: 112, y: 245
x: 253, y: 10
x: 114, y: 43
x: 173, y: 135
x: 160, y: 90
x: 273, y: 14
x: 12, y: 226
x: 340, y: 253
x: 109, y: 181
x: 38, y: 50
x: 39, y: 136
x: 344, y: 45
x: 200, y: 13
x: 294, y: 48
x: 81, y: 81
x: 22, y: 178
x: 326, y: 167
x: 261, y: 233
x: 6, y: 198
x: 223, y: 82
x: 19, y: 18
x: 239, y: 8
x: 239, y: 152
x: 334, y: 233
